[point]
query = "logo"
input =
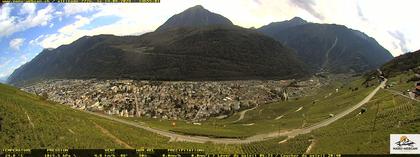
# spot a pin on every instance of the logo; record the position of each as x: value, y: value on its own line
x: 404, y: 143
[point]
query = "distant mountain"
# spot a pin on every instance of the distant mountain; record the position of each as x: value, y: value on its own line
x: 275, y: 28
x: 329, y: 47
x: 193, y: 45
x: 206, y: 53
x: 403, y: 63
x: 3, y: 79
x: 196, y: 16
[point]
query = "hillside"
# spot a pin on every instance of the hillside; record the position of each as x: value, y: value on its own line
x: 209, y: 53
x: 402, y: 63
x: 391, y: 111
x: 329, y: 47
x: 28, y: 122
x: 196, y: 16
x: 181, y: 52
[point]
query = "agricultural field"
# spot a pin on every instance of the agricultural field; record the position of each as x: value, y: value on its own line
x: 29, y: 121
x: 297, y: 145
x: 402, y: 82
x: 286, y: 115
x: 387, y: 113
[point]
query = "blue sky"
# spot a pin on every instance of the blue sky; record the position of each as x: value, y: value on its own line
x: 21, y: 42
x: 26, y: 29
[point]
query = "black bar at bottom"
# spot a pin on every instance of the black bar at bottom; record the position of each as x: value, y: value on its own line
x: 156, y: 153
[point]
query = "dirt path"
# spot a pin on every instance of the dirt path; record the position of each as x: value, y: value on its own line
x: 242, y: 114
x: 116, y: 139
x: 255, y: 138
x: 29, y: 119
x: 279, y: 117
x: 71, y: 131
x: 308, y: 150
x: 399, y: 93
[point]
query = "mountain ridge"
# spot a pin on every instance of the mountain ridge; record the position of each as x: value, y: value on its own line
x: 188, y: 53
x: 329, y: 47
x: 405, y: 62
x: 208, y: 50
x: 196, y: 16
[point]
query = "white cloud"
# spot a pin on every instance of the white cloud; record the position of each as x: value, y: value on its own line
x: 42, y: 17
x: 23, y: 59
x: 365, y: 16
x: 8, y: 65
x: 36, y: 40
x: 5, y: 63
x: 7, y: 22
x: 308, y: 5
x: 74, y: 8
x: 16, y: 43
x: 27, y: 8
x: 5, y: 68
x: 69, y: 29
x: 136, y: 18
x: 11, y: 24
x: 7, y: 72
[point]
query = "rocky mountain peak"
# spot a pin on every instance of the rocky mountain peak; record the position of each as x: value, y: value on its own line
x: 298, y: 20
x: 196, y: 16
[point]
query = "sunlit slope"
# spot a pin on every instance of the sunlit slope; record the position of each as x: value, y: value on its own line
x: 387, y: 113
x: 30, y: 122
x: 285, y: 115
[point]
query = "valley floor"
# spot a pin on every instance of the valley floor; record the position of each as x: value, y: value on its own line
x: 328, y: 121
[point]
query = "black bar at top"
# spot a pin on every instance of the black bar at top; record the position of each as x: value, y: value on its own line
x: 157, y: 153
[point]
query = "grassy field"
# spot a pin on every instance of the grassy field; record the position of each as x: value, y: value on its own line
x: 295, y: 113
x: 400, y: 83
x: 28, y: 121
x: 368, y: 133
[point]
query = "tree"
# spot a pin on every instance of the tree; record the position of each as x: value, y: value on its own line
x: 363, y: 110
x: 44, y: 96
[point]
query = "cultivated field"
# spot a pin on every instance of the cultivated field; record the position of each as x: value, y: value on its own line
x: 28, y: 121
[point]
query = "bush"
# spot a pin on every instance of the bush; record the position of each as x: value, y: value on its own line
x: 44, y: 96
x: 413, y: 79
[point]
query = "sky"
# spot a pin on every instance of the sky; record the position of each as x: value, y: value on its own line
x: 26, y: 29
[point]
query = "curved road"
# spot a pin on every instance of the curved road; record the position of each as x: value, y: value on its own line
x: 255, y: 138
x: 242, y: 114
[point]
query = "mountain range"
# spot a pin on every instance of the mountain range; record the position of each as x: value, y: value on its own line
x: 200, y: 45
x: 329, y: 47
